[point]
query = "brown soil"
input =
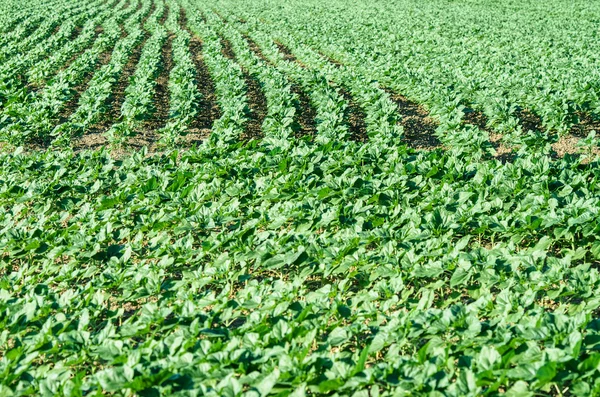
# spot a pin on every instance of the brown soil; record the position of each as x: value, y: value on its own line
x: 160, y: 115
x: 208, y: 110
x: 257, y: 109
x: 256, y: 49
x: 354, y: 115
x: 529, y: 120
x: 55, y: 29
x: 92, y: 140
x: 227, y: 50
x: 566, y: 145
x: 257, y: 102
x: 335, y: 62
x: 148, y: 135
x: 476, y: 118
x: 304, y: 124
x: 419, y: 127
x: 355, y: 118
x: 288, y: 55
x: 586, y: 124
x: 94, y: 137
x: 76, y: 32
x: 503, y: 152
x: 126, y: 5
x: 97, y: 32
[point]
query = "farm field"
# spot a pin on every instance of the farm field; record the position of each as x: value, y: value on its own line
x: 293, y: 198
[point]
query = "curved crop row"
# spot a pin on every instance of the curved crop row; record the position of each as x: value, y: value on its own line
x: 92, y: 103
x: 139, y: 94
x: 183, y: 92
x: 35, y: 118
x: 43, y: 71
x: 229, y: 82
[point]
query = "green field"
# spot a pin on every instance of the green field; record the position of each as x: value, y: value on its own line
x: 294, y: 198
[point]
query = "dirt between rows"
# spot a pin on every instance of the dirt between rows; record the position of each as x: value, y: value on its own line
x: 94, y: 137
x: 353, y: 115
x: 256, y: 111
x: 147, y: 134
x: 208, y: 108
x: 305, y: 115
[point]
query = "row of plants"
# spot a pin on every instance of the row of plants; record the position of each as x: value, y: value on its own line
x: 138, y: 104
x: 380, y: 113
x: 43, y: 72
x: 228, y: 78
x: 93, y: 103
x: 183, y: 91
x: 51, y: 19
x: 13, y: 84
x: 454, y: 71
x: 277, y: 128
x: 33, y: 118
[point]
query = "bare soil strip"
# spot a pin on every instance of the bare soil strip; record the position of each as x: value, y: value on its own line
x: 288, y: 55
x: 227, y: 50
x: 304, y: 122
x: 148, y: 135
x: 355, y: 118
x: 529, y: 120
x: 76, y: 32
x: 256, y: 49
x: 586, y: 124
x: 257, y: 112
x: 354, y: 115
x: 476, y: 118
x: 208, y: 108
x: 94, y: 137
x: 334, y: 62
x: 419, y: 127
x: 126, y: 5
x: 306, y: 114
x: 257, y: 102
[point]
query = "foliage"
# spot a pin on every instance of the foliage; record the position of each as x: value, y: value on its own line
x: 294, y: 265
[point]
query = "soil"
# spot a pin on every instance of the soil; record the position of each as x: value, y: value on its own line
x: 257, y: 102
x: 148, y: 135
x: 587, y: 123
x: 419, y: 127
x: 208, y: 108
x: 257, y: 109
x: 529, y: 120
x: 355, y: 118
x: 476, y: 118
x: 305, y: 124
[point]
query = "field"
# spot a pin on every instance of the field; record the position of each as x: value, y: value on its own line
x: 290, y: 198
